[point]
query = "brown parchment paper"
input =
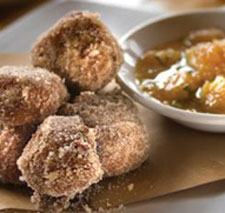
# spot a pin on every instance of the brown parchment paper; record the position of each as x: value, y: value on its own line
x: 180, y: 158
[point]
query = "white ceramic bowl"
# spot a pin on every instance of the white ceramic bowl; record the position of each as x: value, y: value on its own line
x: 156, y: 31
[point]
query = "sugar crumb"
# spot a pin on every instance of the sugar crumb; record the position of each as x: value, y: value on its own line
x: 130, y: 187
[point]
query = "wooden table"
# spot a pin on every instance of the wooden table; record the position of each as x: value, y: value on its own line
x: 11, y: 13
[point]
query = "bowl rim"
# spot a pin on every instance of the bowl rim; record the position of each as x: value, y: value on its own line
x: 143, y: 98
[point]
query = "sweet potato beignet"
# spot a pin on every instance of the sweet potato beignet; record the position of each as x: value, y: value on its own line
x: 12, y: 143
x: 61, y: 159
x: 101, y: 109
x: 29, y: 94
x: 122, y: 146
x: 81, y: 49
x: 121, y: 137
x: 49, y: 204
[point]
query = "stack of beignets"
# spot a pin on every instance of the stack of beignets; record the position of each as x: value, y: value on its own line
x: 120, y: 136
x: 96, y: 135
x: 27, y: 96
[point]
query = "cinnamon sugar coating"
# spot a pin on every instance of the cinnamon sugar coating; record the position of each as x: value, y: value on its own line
x: 50, y: 204
x: 61, y: 159
x: 28, y: 94
x: 122, y: 146
x: 12, y: 143
x: 81, y: 49
x: 102, y: 108
x: 121, y: 137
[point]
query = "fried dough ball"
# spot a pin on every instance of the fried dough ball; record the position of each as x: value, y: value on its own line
x: 58, y: 204
x: 121, y: 138
x: 29, y: 94
x: 12, y: 143
x: 101, y: 109
x: 61, y: 159
x: 122, y: 146
x: 50, y: 204
x: 81, y: 49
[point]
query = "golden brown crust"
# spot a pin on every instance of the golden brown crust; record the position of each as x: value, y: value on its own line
x: 12, y: 143
x: 29, y: 94
x: 50, y: 204
x: 61, y: 159
x: 122, y: 146
x: 102, y: 108
x: 79, y: 48
x: 121, y: 137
